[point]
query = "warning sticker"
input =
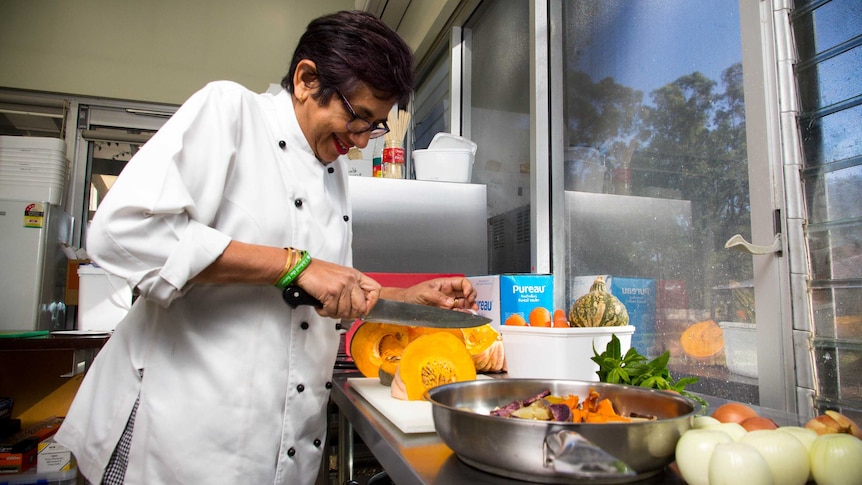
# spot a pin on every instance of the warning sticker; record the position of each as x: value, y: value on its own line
x: 34, y: 215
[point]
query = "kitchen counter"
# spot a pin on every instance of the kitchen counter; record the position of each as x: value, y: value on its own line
x: 413, y: 458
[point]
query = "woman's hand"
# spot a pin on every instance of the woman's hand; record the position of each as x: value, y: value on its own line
x: 454, y: 292
x: 343, y: 291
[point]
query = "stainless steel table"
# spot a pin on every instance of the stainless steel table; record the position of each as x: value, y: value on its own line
x: 412, y: 458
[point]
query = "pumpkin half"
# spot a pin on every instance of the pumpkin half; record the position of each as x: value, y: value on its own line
x: 485, y: 345
x: 373, y: 343
x: 702, y: 339
x: 431, y: 360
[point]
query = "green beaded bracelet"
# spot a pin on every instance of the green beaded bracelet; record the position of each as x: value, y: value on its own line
x: 294, y: 272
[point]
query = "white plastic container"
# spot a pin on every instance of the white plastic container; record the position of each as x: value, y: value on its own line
x: 558, y: 353
x: 740, y: 347
x: 443, y: 164
x: 103, y: 299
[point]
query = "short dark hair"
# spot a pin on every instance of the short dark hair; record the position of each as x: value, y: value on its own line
x: 352, y: 47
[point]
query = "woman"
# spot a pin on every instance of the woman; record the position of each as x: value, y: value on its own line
x: 212, y: 378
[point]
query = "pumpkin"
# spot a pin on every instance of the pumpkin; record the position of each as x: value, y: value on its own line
x: 598, y: 308
x: 415, y: 332
x: 373, y: 343
x: 429, y: 361
x: 702, y: 339
x: 485, y: 345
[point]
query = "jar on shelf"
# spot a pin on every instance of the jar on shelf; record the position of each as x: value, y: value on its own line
x: 377, y: 159
x: 393, y: 159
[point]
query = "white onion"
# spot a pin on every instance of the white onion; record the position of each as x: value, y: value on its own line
x: 734, y: 430
x: 736, y: 463
x: 693, y: 452
x: 805, y: 435
x: 704, y: 421
x: 786, y: 456
x: 836, y: 459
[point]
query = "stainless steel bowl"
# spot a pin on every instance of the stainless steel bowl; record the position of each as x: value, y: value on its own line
x: 552, y: 452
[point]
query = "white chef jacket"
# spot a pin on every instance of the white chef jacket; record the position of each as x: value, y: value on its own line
x: 233, y: 384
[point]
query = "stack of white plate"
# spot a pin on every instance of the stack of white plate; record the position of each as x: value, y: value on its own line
x: 33, y: 168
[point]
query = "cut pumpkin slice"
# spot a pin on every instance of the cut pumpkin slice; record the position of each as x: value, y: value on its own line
x: 702, y: 339
x: 416, y: 332
x: 373, y: 343
x: 431, y: 360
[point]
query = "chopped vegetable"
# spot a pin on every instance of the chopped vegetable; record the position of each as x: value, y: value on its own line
x: 547, y: 407
x: 635, y: 370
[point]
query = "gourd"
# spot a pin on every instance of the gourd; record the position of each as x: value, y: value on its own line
x: 415, y: 332
x: 429, y: 361
x: 375, y: 343
x: 702, y: 339
x: 485, y: 345
x: 598, y: 308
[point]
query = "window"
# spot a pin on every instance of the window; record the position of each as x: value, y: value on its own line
x: 656, y: 179
x: 108, y: 137
x: 828, y: 38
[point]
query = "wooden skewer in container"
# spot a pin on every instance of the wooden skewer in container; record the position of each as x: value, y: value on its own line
x: 393, y: 148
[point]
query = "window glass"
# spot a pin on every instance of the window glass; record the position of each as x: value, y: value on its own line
x: 827, y: 37
x: 656, y: 178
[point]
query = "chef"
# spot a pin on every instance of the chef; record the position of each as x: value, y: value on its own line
x: 211, y: 378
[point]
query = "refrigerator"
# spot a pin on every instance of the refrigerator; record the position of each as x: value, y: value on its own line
x: 416, y: 226
x: 33, y: 265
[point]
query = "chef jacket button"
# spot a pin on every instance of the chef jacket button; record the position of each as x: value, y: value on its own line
x: 330, y: 169
x: 291, y: 451
x: 282, y: 144
x: 297, y: 202
x: 338, y: 326
x: 346, y: 218
x: 328, y: 384
x: 317, y: 443
x: 303, y: 325
x: 300, y: 388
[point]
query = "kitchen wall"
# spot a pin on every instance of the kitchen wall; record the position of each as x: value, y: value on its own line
x: 150, y: 50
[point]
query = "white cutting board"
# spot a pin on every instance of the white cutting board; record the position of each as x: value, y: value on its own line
x: 408, y: 416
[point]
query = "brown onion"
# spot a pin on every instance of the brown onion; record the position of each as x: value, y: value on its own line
x: 758, y: 422
x: 733, y: 412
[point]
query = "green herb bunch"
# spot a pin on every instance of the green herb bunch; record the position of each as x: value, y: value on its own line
x: 635, y: 370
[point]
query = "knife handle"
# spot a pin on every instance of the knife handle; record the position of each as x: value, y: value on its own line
x: 295, y: 296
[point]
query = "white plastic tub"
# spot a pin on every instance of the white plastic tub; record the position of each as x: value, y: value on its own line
x: 103, y: 299
x: 740, y: 347
x: 443, y: 164
x: 558, y: 353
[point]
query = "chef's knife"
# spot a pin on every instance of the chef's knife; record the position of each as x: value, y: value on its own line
x: 397, y: 312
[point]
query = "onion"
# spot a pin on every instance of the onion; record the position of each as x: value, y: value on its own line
x: 733, y: 412
x: 734, y: 430
x: 836, y: 459
x: 805, y: 435
x: 693, y: 452
x: 737, y: 463
x: 786, y: 455
x: 704, y: 421
x: 758, y: 422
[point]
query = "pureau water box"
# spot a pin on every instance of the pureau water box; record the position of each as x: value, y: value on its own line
x: 514, y: 297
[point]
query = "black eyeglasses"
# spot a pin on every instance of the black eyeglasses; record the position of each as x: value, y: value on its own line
x: 358, y: 124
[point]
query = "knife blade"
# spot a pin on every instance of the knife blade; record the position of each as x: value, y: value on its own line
x: 397, y: 312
